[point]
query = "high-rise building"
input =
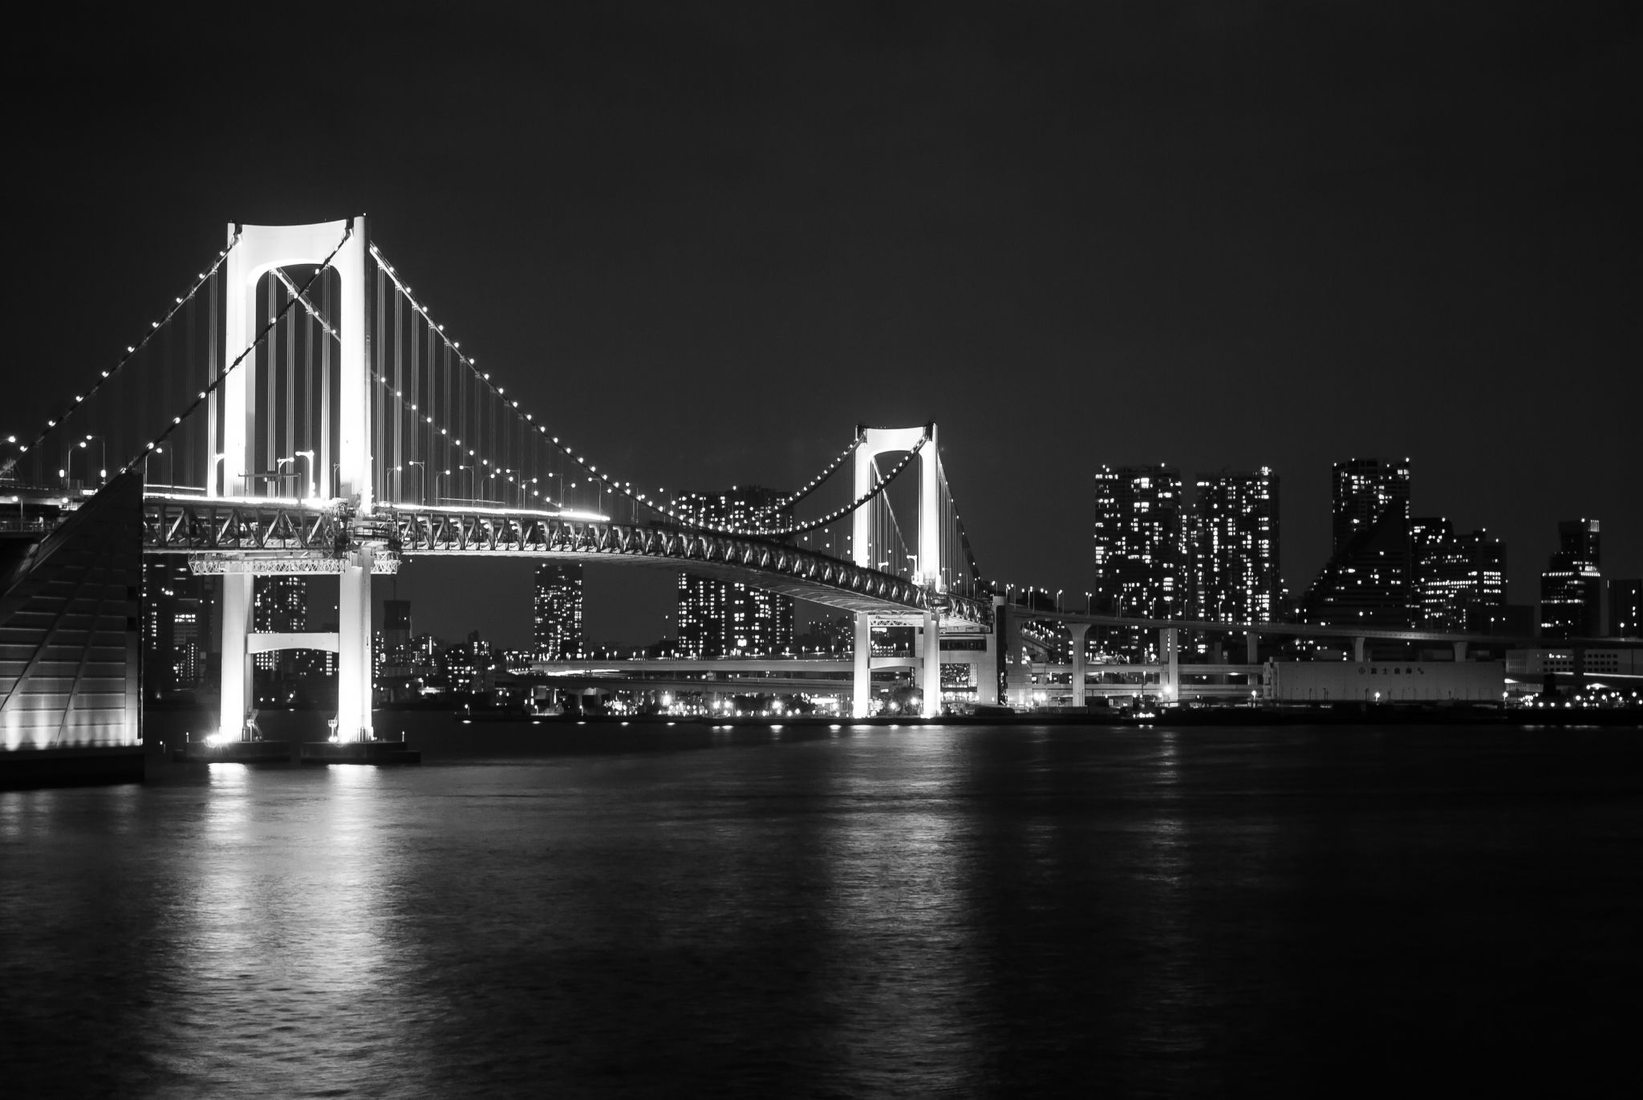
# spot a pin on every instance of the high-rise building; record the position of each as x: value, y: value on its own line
x: 556, y: 612
x: 1142, y: 567
x: 1458, y: 581
x: 1140, y: 541
x: 1367, y: 580
x: 729, y: 618
x: 175, y: 621
x: 1571, y: 586
x: 1234, y: 539
x: 279, y: 605
x: 1626, y: 608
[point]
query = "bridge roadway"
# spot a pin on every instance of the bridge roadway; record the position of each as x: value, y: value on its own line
x: 1306, y: 630
x: 832, y: 675
x: 259, y: 535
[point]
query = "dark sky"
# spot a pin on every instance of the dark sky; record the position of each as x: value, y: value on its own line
x: 707, y: 240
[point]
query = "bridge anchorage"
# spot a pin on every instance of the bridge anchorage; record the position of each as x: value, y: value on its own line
x: 299, y: 411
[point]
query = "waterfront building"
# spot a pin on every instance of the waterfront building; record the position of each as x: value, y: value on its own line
x: 1626, y: 608
x: 1571, y: 586
x: 175, y: 614
x: 1234, y: 539
x: 1367, y: 580
x: 1142, y: 564
x: 1458, y: 581
x: 726, y: 618
x: 556, y: 611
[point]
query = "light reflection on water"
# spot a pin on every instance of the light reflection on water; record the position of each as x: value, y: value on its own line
x: 833, y: 912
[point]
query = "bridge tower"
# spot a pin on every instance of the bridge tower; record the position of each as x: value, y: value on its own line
x: 258, y: 250
x: 874, y: 442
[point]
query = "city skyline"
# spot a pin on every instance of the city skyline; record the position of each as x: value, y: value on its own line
x: 711, y: 243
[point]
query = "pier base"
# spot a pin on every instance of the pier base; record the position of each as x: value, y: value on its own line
x: 236, y: 752
x: 359, y: 752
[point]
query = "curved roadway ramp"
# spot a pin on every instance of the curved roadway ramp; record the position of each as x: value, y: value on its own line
x: 70, y: 645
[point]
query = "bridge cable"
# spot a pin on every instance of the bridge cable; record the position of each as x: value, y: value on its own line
x: 131, y: 351
x: 216, y: 383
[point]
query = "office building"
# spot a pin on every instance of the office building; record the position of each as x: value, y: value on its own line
x: 728, y: 618
x: 1626, y: 608
x: 1142, y: 564
x: 176, y: 608
x: 556, y: 612
x: 1368, y: 578
x: 1234, y: 540
x: 1458, y: 581
x: 1571, y: 586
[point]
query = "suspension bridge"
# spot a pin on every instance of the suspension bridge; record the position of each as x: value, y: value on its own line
x: 296, y: 409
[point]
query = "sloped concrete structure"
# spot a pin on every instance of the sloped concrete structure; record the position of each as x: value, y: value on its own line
x: 70, y: 646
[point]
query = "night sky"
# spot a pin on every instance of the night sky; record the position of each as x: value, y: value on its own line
x: 706, y: 243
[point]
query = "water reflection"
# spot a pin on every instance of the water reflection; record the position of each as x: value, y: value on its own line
x: 859, y: 912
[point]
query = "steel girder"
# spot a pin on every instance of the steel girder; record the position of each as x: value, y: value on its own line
x: 783, y: 567
x: 286, y: 537
x: 175, y: 526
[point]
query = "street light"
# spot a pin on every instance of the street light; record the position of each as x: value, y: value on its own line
x: 171, y: 465
x: 273, y: 478
x: 422, y: 479
x: 313, y: 490
x: 102, y: 454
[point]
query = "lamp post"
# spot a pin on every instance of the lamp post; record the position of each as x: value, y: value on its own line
x: 171, y: 465
x: 422, y: 478
x: 102, y: 454
x: 313, y: 490
x: 274, y: 478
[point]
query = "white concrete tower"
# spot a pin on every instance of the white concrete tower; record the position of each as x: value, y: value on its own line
x: 260, y: 249
x: 928, y: 574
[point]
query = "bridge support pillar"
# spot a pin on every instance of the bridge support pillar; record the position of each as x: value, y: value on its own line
x: 861, y: 678
x: 1357, y: 650
x: 1080, y: 636
x: 986, y: 669
x: 1460, y: 652
x: 1169, y: 675
x: 1252, y: 648
x: 1018, y: 673
x: 234, y: 702
x: 930, y: 668
x: 354, y: 685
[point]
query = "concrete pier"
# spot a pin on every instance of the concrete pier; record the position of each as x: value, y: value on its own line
x: 359, y: 752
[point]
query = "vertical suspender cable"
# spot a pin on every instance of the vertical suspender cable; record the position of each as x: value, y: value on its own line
x: 325, y: 473
x: 270, y: 358
x: 308, y: 398
x: 207, y: 460
x: 378, y: 465
x: 403, y: 404
x: 290, y: 410
x: 414, y: 402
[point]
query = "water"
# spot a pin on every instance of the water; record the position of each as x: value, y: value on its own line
x: 863, y: 912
